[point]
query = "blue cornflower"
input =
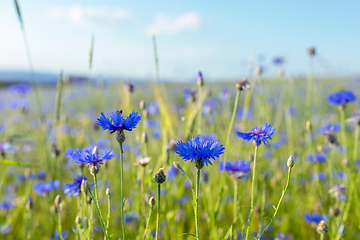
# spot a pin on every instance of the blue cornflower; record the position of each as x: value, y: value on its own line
x: 341, y: 98
x: 43, y: 188
x: 73, y: 188
x: 320, y: 157
x: 93, y: 159
x: 238, y: 168
x: 184, y: 199
x: 21, y: 104
x: 331, y: 127
x: 313, y: 218
x: 278, y: 60
x: 19, y: 88
x: 189, y: 95
x: 56, y: 235
x: 321, y: 176
x: 258, y: 135
x: 199, y: 150
x: 6, y: 205
x: 117, y: 122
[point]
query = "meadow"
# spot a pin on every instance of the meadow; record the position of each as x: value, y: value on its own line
x: 317, y: 199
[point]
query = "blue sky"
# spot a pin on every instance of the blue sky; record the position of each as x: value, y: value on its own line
x: 215, y: 37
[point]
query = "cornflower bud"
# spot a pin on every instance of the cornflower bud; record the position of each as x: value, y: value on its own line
x: 160, y: 176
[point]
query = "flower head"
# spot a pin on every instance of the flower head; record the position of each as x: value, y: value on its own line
x: 199, y: 150
x: 238, y: 169
x: 43, y: 188
x: 73, y: 188
x: 92, y: 158
x: 341, y: 98
x: 313, y: 218
x: 338, y: 192
x: 19, y: 89
x: 117, y: 122
x: 258, y: 135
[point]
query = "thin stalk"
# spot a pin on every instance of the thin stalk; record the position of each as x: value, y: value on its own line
x: 252, y: 194
x: 197, y: 204
x: 143, y: 194
x: 235, y: 205
x: 356, y: 142
x: 200, y: 109
x: 122, y: 189
x: 231, y: 124
x: 246, y: 105
x: 58, y: 98
x: 262, y: 209
x: 91, y: 219
x: 343, y: 134
x: 322, y: 236
x: 158, y: 214
x: 59, y: 225
x: 156, y: 58
x: 147, y: 223
x: 108, y: 214
x: 309, y: 89
x: 99, y: 213
x: 278, y: 205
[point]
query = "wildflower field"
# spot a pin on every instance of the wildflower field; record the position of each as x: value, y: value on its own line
x: 63, y: 173
x: 250, y: 158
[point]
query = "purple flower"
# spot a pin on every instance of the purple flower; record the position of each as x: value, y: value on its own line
x: 313, y: 218
x: 197, y: 149
x: 43, y: 188
x: 278, y: 61
x: 73, y: 188
x: 19, y: 103
x: 321, y: 176
x: 341, y: 98
x: 258, y: 135
x: 320, y: 157
x: 93, y: 159
x: 238, y: 168
x: 153, y: 108
x: 184, y: 199
x: 189, y: 95
x: 330, y: 128
x: 224, y: 95
x: 117, y: 122
x: 6, y: 205
x: 19, y: 89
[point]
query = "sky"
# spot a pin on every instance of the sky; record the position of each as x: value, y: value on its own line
x: 217, y: 38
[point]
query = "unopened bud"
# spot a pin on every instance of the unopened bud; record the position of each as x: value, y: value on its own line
x: 144, y: 137
x: 29, y: 204
x: 243, y: 84
x: 311, y: 51
x: 152, y: 202
x: 176, y: 164
x: 142, y: 105
x: 88, y: 199
x: 322, y: 228
x: 334, y: 211
x: 57, y: 200
x: 160, y: 176
x: 308, y: 125
x: 53, y: 209
x: 200, y: 81
x: 108, y: 193
x: 290, y: 162
x: 94, y: 169
x: 78, y: 220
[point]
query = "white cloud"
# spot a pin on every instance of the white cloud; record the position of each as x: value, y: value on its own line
x: 85, y: 14
x: 163, y: 24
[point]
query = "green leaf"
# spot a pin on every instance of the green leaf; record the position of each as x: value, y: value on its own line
x: 188, y: 234
x: 15, y: 163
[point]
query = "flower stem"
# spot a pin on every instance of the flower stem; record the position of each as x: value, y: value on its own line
x: 252, y: 194
x: 59, y: 225
x: 97, y: 205
x: 278, y: 205
x: 235, y: 205
x: 122, y: 189
x: 197, y: 205
x: 108, y: 215
x: 200, y: 109
x: 356, y: 142
x: 158, y: 214
x: 143, y: 194
x: 98, y: 210
x: 343, y: 135
x: 147, y: 223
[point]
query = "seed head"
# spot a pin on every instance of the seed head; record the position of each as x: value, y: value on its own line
x: 243, y: 84
x: 322, y: 228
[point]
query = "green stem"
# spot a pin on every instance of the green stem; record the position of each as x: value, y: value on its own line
x: 343, y: 135
x: 309, y: 89
x: 99, y: 212
x: 235, y: 205
x: 147, y: 223
x: 322, y: 236
x: 217, y: 207
x: 200, y: 109
x: 122, y: 189
x: 143, y: 193
x: 197, y: 204
x: 278, y: 205
x: 108, y: 215
x: 262, y: 210
x: 252, y: 194
x: 91, y: 220
x: 158, y: 214
x: 356, y: 142
x: 59, y: 225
